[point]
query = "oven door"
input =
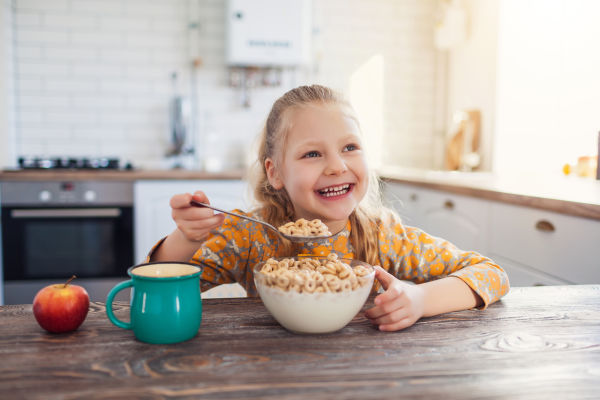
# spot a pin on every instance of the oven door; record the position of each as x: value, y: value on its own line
x: 55, y: 243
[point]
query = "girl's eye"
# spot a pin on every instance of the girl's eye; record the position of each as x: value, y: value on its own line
x: 350, y: 147
x: 311, y: 154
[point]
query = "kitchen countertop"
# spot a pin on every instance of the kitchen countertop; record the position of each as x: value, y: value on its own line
x: 567, y: 195
x: 537, y: 342
x: 99, y: 174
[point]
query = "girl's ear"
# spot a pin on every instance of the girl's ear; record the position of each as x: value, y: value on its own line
x: 273, y: 174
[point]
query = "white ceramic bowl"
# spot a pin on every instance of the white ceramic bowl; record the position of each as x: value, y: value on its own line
x: 313, y: 312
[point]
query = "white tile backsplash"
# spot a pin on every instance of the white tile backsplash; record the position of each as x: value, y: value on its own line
x: 8, y: 84
x: 42, y: 5
x: 93, y: 78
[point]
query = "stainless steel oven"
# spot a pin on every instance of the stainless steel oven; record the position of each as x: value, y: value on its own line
x: 54, y: 229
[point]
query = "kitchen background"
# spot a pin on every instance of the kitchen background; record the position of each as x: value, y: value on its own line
x: 504, y: 88
x: 95, y: 78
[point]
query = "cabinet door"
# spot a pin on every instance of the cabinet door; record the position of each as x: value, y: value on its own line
x: 556, y: 244
x: 522, y: 275
x: 459, y: 219
x: 405, y: 200
x: 153, y: 213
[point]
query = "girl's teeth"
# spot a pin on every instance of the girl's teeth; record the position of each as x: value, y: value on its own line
x: 335, y: 190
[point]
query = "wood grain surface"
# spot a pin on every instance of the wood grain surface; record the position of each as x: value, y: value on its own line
x: 537, y: 343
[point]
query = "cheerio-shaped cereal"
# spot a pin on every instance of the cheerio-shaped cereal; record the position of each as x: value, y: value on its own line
x: 314, y: 275
x: 303, y: 227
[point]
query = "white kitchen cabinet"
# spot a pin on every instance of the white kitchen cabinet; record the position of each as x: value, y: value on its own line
x: 523, y: 275
x: 153, y: 214
x: 563, y: 246
x: 405, y: 200
x: 459, y: 219
x: 535, y: 247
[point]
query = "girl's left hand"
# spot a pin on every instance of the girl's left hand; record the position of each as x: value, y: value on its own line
x: 400, y: 306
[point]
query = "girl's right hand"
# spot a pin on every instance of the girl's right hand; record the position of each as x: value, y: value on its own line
x: 194, y: 222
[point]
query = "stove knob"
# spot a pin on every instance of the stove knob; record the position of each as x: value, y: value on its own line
x: 45, y: 196
x: 89, y: 195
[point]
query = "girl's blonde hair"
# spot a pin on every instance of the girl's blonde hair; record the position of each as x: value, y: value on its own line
x: 275, y: 205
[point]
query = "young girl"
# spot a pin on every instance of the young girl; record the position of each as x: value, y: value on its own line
x: 311, y: 165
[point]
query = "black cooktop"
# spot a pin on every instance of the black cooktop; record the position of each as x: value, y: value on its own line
x: 71, y: 163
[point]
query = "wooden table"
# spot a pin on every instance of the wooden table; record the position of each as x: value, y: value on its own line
x: 537, y: 343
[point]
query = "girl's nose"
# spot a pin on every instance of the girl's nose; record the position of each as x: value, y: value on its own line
x: 336, y: 165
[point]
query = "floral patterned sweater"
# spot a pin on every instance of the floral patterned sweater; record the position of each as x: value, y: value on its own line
x: 231, y: 251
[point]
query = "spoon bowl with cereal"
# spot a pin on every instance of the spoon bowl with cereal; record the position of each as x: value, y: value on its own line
x: 299, y: 231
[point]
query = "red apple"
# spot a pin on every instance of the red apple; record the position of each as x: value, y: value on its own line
x: 62, y: 307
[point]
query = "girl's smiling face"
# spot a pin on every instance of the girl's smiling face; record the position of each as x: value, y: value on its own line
x: 322, y: 166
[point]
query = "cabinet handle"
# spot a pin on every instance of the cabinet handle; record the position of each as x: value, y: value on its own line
x: 449, y: 205
x: 414, y: 197
x: 544, y: 226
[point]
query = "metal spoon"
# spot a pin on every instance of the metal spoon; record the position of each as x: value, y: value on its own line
x: 291, y: 238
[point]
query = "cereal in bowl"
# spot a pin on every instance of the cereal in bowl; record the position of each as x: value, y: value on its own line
x: 303, y: 227
x: 313, y: 275
x: 310, y: 294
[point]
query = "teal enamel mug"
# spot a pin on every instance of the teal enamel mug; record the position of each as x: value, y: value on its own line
x: 166, y: 306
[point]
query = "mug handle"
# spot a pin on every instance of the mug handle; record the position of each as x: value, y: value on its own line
x: 109, y: 300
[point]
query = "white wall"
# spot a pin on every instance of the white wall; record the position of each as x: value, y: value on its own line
x: 472, y: 72
x: 532, y: 67
x: 548, y: 98
x: 93, y: 77
x: 395, y: 37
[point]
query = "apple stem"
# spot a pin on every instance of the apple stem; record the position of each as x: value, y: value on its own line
x: 70, y: 279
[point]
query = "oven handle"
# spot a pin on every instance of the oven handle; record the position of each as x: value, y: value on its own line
x: 67, y: 213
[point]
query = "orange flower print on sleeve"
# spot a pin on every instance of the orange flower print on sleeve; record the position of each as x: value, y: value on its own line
x: 436, y: 269
x: 406, y: 248
x: 254, y: 252
x: 227, y: 234
x: 446, y: 255
x: 430, y: 255
x: 241, y: 238
x: 416, y: 249
x: 384, y: 247
x: 397, y: 229
x: 477, y: 260
x: 215, y: 244
x: 425, y: 238
x: 412, y: 262
x: 396, y: 245
x: 494, y: 280
x: 208, y: 274
x: 228, y: 262
x: 259, y: 237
